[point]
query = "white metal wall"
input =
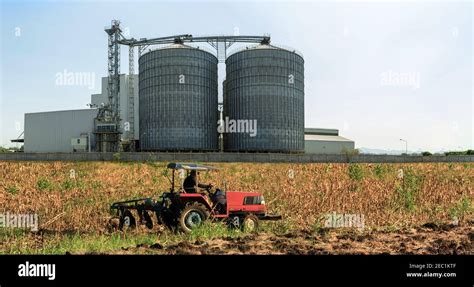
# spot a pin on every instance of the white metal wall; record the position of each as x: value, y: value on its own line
x: 52, y: 131
x: 328, y: 147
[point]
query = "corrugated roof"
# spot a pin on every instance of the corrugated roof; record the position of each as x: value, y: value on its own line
x: 264, y: 47
x: 320, y: 131
x: 325, y: 138
x: 63, y: 111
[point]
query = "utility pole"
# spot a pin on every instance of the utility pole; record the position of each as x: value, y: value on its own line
x: 406, y: 146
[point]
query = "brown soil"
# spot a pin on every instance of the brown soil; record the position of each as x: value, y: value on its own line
x: 428, y: 239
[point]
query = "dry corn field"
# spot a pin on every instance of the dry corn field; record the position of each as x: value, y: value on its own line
x: 76, y: 196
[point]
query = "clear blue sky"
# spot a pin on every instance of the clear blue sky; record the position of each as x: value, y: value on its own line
x: 354, y: 52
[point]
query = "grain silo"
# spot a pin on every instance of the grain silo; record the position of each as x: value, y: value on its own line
x: 265, y: 83
x: 178, y: 99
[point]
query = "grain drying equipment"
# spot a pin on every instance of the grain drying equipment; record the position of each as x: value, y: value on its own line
x: 265, y: 83
x: 178, y: 95
x: 178, y: 99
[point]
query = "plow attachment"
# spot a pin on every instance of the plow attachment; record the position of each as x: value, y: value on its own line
x: 143, y: 207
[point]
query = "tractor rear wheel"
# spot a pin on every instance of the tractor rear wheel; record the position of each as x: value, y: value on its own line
x: 250, y: 223
x: 192, y: 216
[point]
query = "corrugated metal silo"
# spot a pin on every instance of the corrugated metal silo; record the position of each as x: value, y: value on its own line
x: 178, y: 99
x: 266, y: 83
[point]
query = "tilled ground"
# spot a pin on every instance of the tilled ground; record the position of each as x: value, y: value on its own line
x: 427, y: 239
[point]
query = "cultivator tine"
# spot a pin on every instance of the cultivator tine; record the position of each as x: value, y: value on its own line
x: 158, y: 217
x: 140, y: 215
x: 148, y: 220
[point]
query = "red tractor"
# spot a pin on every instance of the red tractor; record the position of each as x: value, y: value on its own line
x: 179, y: 209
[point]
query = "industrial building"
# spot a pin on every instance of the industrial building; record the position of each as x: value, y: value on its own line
x: 128, y: 110
x: 60, y: 131
x: 326, y: 141
x: 172, y: 104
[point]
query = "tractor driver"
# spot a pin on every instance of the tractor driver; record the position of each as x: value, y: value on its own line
x: 190, y: 183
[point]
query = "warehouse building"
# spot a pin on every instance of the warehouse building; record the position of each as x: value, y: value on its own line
x: 73, y: 130
x: 326, y: 141
x: 60, y: 131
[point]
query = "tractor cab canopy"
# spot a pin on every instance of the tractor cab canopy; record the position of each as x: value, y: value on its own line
x: 190, y: 166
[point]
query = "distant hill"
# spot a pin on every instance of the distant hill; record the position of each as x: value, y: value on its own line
x: 364, y: 150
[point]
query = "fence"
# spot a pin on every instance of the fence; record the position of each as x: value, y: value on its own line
x: 230, y: 157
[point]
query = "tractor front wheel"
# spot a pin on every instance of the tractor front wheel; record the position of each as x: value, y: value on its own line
x: 250, y: 223
x: 193, y: 216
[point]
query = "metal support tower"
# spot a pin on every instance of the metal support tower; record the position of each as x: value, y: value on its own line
x: 131, y: 96
x: 141, y: 49
x: 113, y: 87
x: 107, y: 122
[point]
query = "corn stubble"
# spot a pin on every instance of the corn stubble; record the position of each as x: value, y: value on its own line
x: 76, y: 196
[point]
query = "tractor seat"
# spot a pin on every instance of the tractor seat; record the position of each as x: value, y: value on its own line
x: 219, y: 197
x: 220, y: 201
